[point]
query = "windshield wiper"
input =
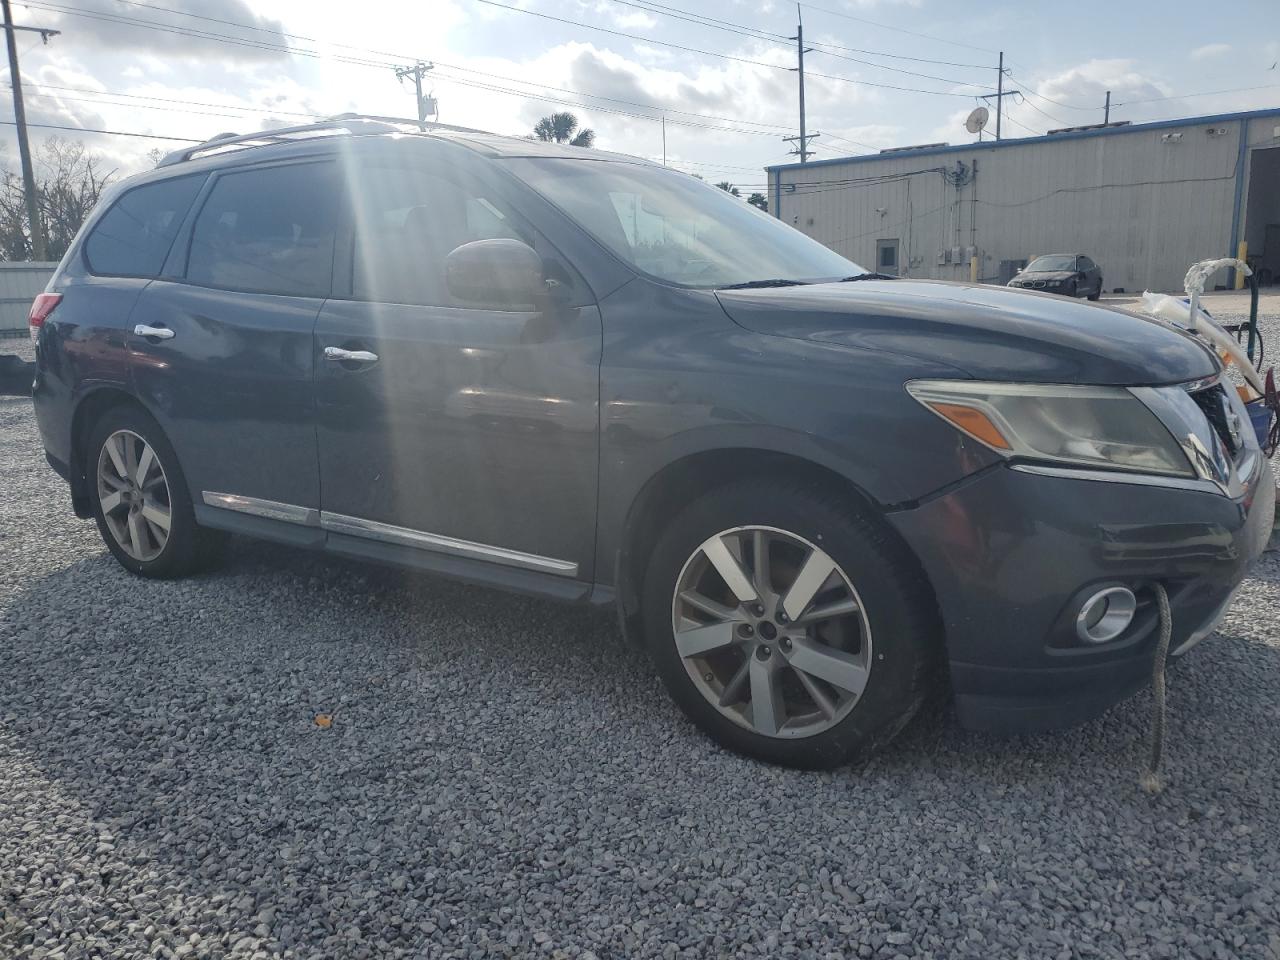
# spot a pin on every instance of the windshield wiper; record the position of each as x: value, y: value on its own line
x: 867, y: 276
x: 752, y: 284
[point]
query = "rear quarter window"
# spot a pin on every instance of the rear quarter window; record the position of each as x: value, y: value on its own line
x: 133, y: 237
x: 268, y: 230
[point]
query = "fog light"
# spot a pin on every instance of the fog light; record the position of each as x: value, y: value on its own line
x: 1106, y: 615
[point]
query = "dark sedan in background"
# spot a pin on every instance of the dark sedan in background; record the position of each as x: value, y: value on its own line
x: 1070, y: 274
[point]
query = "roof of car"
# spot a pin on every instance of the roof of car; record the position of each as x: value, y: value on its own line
x: 281, y: 140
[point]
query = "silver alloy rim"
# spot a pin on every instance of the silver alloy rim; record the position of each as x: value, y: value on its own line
x: 772, y: 631
x: 134, y: 494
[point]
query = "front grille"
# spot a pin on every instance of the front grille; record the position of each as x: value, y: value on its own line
x: 1212, y: 401
x: 1037, y: 283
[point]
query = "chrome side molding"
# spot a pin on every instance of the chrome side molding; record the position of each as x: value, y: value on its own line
x: 388, y: 533
x: 271, y: 509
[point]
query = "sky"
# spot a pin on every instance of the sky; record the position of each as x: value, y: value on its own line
x: 881, y: 73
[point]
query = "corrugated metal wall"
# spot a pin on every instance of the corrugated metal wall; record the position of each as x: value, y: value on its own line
x: 1142, y: 203
x: 19, y: 284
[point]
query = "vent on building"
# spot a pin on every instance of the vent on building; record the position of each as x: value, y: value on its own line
x: 1216, y: 131
x: 1089, y: 126
x: 1171, y: 137
x: 918, y: 146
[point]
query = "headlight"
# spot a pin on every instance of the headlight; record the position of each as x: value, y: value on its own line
x: 1085, y: 426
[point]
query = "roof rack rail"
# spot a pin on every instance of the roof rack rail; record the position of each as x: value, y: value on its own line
x: 344, y: 123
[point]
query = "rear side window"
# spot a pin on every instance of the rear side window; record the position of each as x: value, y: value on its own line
x: 133, y: 238
x: 268, y: 231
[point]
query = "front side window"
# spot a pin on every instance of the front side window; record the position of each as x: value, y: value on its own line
x: 268, y: 230
x: 675, y: 227
x: 133, y: 238
x: 407, y: 222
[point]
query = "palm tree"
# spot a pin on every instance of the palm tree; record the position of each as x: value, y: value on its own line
x: 759, y: 200
x: 562, y: 127
x: 728, y: 187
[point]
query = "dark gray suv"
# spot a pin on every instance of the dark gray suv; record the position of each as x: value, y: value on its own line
x: 816, y: 496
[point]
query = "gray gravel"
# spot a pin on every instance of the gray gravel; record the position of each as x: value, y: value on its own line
x: 502, y: 778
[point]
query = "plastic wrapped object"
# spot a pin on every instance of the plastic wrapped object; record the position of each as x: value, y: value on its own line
x: 1179, y: 313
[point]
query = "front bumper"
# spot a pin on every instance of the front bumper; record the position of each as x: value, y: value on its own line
x: 1010, y: 555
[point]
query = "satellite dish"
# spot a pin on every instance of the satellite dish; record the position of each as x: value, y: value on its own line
x: 977, y: 120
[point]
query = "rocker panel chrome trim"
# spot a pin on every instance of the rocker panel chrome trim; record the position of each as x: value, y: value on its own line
x: 388, y: 533
x: 373, y: 530
x: 271, y: 509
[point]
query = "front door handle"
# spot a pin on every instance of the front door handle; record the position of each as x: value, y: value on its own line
x: 160, y: 333
x: 359, y: 356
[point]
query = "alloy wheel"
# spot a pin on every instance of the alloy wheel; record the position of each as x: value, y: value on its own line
x: 134, y: 494
x: 772, y: 631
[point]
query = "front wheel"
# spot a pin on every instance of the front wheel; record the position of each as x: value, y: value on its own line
x: 788, y: 625
x: 140, y: 498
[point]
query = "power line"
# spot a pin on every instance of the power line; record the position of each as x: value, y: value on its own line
x: 716, y: 53
x: 1206, y: 93
x: 113, y: 133
x: 885, y: 26
x: 774, y: 38
x: 654, y: 7
x: 262, y: 45
x: 150, y: 106
x: 1042, y: 113
x: 194, y: 103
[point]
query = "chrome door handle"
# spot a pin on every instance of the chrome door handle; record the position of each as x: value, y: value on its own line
x: 359, y: 356
x: 160, y: 333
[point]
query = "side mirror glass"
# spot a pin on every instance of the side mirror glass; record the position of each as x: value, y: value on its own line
x: 498, y: 273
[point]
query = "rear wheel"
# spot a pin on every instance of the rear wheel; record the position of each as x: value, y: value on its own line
x: 787, y: 625
x: 140, y: 498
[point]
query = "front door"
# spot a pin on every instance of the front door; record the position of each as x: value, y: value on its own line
x: 445, y: 428
x: 222, y: 351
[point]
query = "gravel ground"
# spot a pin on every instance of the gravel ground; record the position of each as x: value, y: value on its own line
x: 503, y: 778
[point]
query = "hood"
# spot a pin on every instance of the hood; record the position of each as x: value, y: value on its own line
x: 989, y: 333
x: 1046, y: 275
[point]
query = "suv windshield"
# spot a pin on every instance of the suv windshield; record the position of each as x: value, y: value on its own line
x: 1059, y: 262
x: 675, y: 227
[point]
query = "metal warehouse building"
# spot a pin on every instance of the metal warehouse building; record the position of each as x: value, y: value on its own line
x: 1143, y: 200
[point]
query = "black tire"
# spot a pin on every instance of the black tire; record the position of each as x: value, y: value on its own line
x: 898, y: 601
x: 1097, y: 294
x: 189, y: 547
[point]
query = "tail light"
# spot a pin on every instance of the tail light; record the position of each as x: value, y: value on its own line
x: 40, y: 310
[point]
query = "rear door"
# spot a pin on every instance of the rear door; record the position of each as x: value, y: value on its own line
x: 461, y: 430
x: 221, y: 348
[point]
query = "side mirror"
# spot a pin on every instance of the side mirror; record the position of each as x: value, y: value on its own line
x: 499, y: 273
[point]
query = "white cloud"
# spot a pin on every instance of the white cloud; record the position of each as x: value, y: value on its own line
x: 1210, y: 50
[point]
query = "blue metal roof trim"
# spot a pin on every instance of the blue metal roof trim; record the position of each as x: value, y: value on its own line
x: 1023, y: 141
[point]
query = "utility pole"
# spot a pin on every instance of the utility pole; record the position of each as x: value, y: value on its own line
x: 664, y: 139
x: 1106, y: 111
x: 417, y: 71
x: 802, y: 141
x: 38, y: 251
x: 1000, y: 93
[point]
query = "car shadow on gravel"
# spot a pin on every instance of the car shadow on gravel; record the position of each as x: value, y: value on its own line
x: 478, y: 736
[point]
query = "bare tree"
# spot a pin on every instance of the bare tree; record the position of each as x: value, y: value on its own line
x: 69, y: 181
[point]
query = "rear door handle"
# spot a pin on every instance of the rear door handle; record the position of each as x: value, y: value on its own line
x: 359, y: 356
x: 160, y: 333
